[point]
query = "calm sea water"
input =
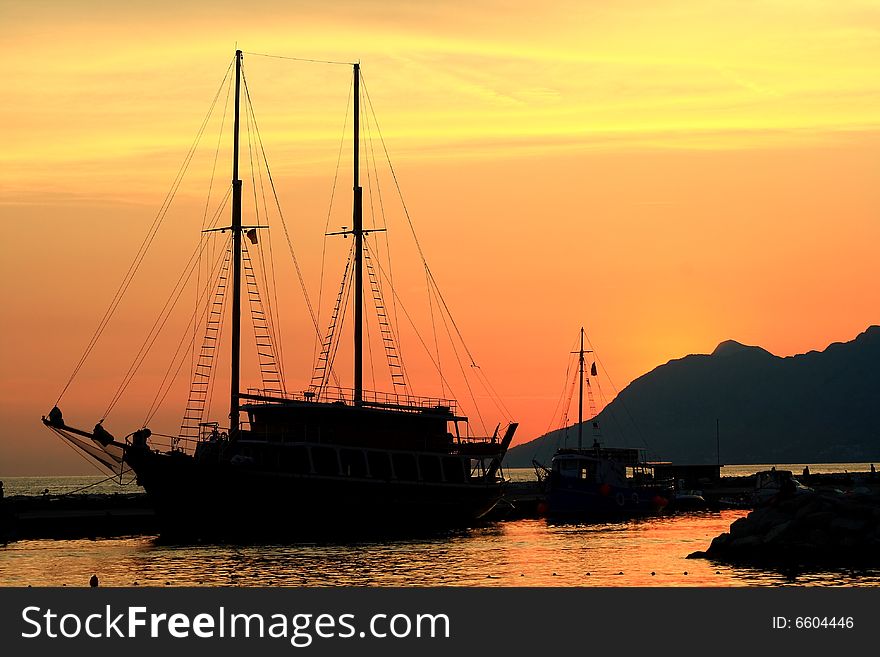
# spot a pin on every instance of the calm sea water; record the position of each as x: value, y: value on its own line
x: 644, y: 552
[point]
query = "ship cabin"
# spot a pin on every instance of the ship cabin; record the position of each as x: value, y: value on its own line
x: 616, y: 466
x: 380, y: 437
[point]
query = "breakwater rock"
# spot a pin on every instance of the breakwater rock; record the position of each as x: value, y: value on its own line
x: 809, y: 529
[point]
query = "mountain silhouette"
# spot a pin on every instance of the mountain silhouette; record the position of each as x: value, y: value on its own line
x: 814, y: 407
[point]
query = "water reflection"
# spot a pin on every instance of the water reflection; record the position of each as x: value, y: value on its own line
x: 644, y: 552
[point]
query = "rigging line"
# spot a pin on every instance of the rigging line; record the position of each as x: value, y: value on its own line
x: 370, y: 354
x: 209, y: 397
x: 207, y: 206
x: 464, y: 375
x: 247, y: 123
x: 145, y: 245
x: 79, y: 452
x: 256, y: 171
x: 336, y: 321
x: 557, y: 408
x: 449, y: 313
x: 195, y: 320
x: 616, y: 394
x: 327, y: 341
x: 617, y: 422
x: 393, y: 172
x: 411, y: 225
x: 298, y: 59
x: 153, y: 333
x: 348, y: 284
x: 327, y: 222
x: 395, y: 337
x: 385, y: 235
x: 412, y: 229
x: 493, y: 394
x: 275, y: 309
x: 271, y: 316
x: 209, y: 247
x: 366, y: 250
x: 564, y: 404
x: 217, y: 151
x: 564, y: 420
x: 415, y: 330
x: 96, y: 483
x: 271, y: 291
x: 369, y: 175
x: 284, y: 224
x: 210, y: 303
x: 406, y: 214
x: 434, y: 329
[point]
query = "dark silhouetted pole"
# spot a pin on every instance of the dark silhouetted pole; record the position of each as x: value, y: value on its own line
x: 357, y: 231
x: 581, y: 392
x: 236, y: 261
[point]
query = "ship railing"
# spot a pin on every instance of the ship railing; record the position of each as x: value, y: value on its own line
x: 346, y: 396
x: 161, y: 442
x: 476, y: 440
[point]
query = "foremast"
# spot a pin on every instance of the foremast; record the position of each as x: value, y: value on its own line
x: 581, y: 392
x: 235, y: 375
x: 357, y: 230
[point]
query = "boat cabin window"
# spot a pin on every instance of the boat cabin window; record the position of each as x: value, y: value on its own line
x: 430, y: 468
x: 295, y: 460
x: 354, y: 463
x: 325, y: 460
x: 380, y: 465
x: 405, y: 467
x: 570, y: 468
x: 452, y: 470
x: 478, y: 470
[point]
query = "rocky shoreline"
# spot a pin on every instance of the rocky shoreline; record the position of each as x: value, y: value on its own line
x: 814, y: 528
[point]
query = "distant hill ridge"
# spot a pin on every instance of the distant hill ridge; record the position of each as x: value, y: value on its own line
x: 813, y: 407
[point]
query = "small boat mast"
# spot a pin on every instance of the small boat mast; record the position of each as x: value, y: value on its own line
x: 580, y: 354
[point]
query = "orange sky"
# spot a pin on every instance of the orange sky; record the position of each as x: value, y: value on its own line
x: 671, y: 175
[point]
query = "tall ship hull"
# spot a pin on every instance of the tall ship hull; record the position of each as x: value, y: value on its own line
x: 229, y: 501
x: 313, y: 468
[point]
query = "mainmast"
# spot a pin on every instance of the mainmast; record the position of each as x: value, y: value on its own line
x: 236, y: 262
x: 357, y: 231
x: 581, y: 392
